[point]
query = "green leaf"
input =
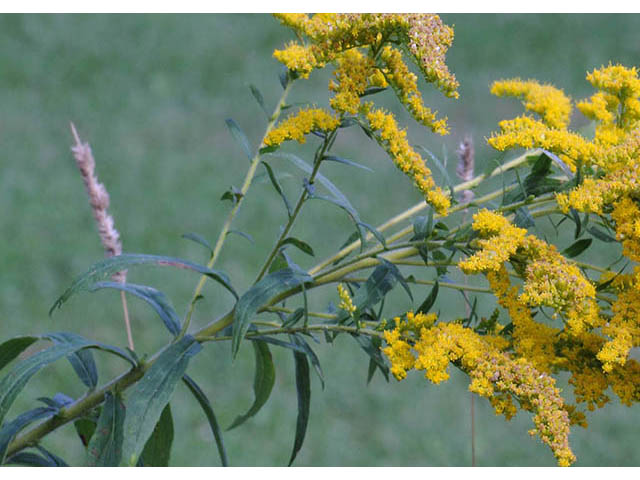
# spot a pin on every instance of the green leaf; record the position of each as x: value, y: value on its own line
x: 11, y: 429
x: 523, y: 218
x: 233, y: 195
x: 242, y: 234
x: 239, y: 136
x: 264, y: 379
x: 19, y: 375
x: 12, y: 348
x: 85, y: 428
x: 577, y: 247
x: 440, y: 165
x: 430, y: 300
x: 260, y: 99
x: 303, y: 246
x: 284, y: 77
x: 599, y: 234
x: 69, y: 337
x: 199, y: 239
x: 372, y: 349
x: 380, y: 282
x: 33, y: 460
x: 105, y: 446
x: 303, y: 387
x: 157, y: 450
x: 422, y: 227
x: 373, y: 91
x: 211, y: 417
x: 395, y: 271
x: 301, y: 342
x: 258, y: 296
x: 147, y: 398
x: 277, y: 186
x: 85, y: 367
x: 155, y: 298
x: 104, y: 269
x: 346, y: 161
x: 355, y: 218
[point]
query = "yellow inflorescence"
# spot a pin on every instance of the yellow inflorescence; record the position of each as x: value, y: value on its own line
x: 300, y: 124
x: 346, y: 303
x: 493, y: 374
x: 406, y: 159
x: 367, y: 51
x: 547, y: 101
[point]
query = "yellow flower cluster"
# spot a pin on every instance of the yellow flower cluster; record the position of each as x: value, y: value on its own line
x: 550, y: 279
x: 346, y: 303
x: 360, y: 45
x: 300, y: 124
x: 503, y: 242
x: 405, y: 84
x: 493, y: 374
x: 394, y: 140
x: 527, y: 132
x: 547, y: 101
x: 353, y: 75
x: 424, y: 36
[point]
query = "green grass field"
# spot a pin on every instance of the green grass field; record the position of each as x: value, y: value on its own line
x: 151, y: 93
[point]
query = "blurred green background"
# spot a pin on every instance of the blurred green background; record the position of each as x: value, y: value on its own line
x: 150, y: 93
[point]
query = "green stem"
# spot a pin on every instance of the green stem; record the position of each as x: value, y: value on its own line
x: 255, y: 161
x: 303, y: 197
x: 516, y: 162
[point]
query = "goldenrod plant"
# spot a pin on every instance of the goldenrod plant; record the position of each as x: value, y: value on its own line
x: 555, y: 314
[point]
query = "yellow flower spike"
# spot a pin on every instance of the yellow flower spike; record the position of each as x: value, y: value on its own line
x: 303, y: 122
x: 394, y: 141
x: 493, y: 374
x: 547, y: 101
x: 297, y: 58
x: 346, y: 303
x: 352, y: 74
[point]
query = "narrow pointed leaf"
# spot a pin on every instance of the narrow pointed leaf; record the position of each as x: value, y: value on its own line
x: 211, y: 417
x: 13, y: 383
x: 258, y: 296
x: 11, y: 429
x: 29, y: 459
x: 155, y: 298
x: 242, y: 234
x: 312, y: 357
x: 85, y: 367
x: 85, y: 428
x: 303, y: 246
x: 157, y: 450
x: 105, y: 446
x: 104, y: 269
x: 264, y: 379
x: 11, y: 349
x: 147, y: 398
x: 577, y: 247
x: 346, y: 161
x: 430, y: 300
x: 239, y: 136
x: 395, y: 271
x: 303, y: 388
x: 380, y: 282
x: 260, y: 99
x: 195, y: 237
x: 372, y: 349
x: 277, y: 186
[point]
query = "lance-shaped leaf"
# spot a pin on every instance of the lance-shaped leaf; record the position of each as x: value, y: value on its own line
x: 47, y: 459
x: 372, y: 348
x: 258, y: 296
x: 104, y: 269
x: 380, y: 282
x: 10, y: 349
x: 12, y: 384
x: 265, y: 377
x: 82, y: 361
x: 239, y: 136
x: 155, y: 298
x: 199, y: 239
x: 277, y: 186
x: 346, y: 161
x: 260, y: 99
x: 211, y: 417
x: 430, y: 300
x: 303, y: 388
x: 148, y: 397
x: 12, y: 428
x: 69, y: 337
x: 303, y: 246
x: 157, y: 450
x: 105, y: 447
x: 577, y: 248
